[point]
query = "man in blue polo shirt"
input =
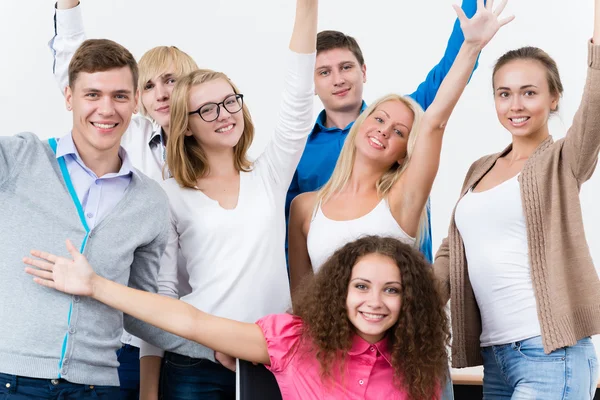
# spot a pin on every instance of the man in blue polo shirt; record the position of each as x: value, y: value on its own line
x: 340, y: 73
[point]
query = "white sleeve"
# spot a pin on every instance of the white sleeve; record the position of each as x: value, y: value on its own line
x: 68, y: 36
x: 295, y: 121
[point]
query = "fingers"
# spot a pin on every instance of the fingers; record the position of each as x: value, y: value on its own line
x: 480, y: 5
x: 500, y: 8
x: 38, y: 263
x: 71, y: 249
x: 506, y: 20
x: 43, y: 255
x: 45, y: 275
x: 45, y: 282
x: 462, y: 17
x: 489, y: 4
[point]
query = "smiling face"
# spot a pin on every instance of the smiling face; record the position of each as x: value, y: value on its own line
x: 223, y: 132
x: 339, y: 79
x: 102, y: 104
x: 523, y: 99
x: 374, y: 296
x: 383, y: 136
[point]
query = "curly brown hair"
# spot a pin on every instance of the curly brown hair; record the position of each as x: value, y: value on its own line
x: 417, y: 340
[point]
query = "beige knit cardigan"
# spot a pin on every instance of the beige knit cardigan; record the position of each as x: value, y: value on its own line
x: 565, y: 282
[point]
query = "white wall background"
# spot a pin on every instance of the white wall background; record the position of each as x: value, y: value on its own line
x: 401, y: 40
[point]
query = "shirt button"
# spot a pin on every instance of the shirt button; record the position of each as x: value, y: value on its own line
x: 7, y: 385
x: 72, y: 330
x: 90, y: 215
x: 54, y: 382
x: 372, y: 348
x: 361, y: 382
x: 76, y: 299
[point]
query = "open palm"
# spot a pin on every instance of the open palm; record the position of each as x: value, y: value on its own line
x: 482, y: 27
x: 74, y: 276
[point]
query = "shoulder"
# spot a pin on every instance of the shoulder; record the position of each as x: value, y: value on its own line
x: 282, y: 333
x: 140, y: 130
x: 305, y: 200
x: 303, y: 204
x: 151, y: 189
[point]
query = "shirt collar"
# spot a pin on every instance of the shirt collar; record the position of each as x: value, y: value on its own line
x: 66, y: 146
x: 361, y: 346
x: 157, y: 137
x: 322, y: 119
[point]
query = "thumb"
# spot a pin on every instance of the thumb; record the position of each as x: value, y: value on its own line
x: 462, y: 17
x: 72, y: 250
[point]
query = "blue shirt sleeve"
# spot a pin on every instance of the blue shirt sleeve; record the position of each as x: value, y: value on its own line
x: 427, y: 90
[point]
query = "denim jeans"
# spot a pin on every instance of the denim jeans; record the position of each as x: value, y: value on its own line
x: 129, y: 372
x: 522, y: 371
x: 183, y: 378
x: 448, y: 389
x: 14, y: 387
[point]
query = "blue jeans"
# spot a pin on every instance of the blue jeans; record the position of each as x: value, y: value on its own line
x: 186, y: 378
x: 448, y: 389
x: 129, y: 372
x: 14, y: 387
x: 522, y: 371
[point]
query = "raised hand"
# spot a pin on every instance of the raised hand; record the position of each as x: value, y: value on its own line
x: 74, y: 276
x: 482, y: 27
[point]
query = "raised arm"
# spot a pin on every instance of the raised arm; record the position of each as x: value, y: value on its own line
x: 427, y: 90
x: 295, y: 120
x: 582, y: 143
x: 298, y: 257
x: 238, y: 339
x: 409, y: 195
x: 68, y: 36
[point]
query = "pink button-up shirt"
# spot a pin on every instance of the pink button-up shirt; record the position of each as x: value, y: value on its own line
x: 369, y: 373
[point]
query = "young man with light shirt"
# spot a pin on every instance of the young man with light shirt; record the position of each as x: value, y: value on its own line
x: 340, y: 73
x: 80, y: 187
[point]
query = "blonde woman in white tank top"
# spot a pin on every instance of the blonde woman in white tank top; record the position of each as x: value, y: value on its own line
x: 387, y: 166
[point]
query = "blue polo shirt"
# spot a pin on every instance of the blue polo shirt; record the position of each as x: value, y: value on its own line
x: 324, y: 144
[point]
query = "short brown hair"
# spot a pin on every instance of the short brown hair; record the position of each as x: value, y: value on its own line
x: 98, y: 55
x: 329, y: 40
x: 535, y: 54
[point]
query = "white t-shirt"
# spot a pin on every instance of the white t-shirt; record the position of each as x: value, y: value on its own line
x: 235, y: 258
x: 493, y: 230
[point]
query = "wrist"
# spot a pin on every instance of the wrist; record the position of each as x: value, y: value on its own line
x: 95, y: 286
x: 473, y: 47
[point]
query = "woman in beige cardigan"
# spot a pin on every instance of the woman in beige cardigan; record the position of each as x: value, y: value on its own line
x: 516, y: 265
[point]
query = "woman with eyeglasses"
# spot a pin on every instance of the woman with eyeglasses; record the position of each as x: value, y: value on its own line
x: 227, y: 212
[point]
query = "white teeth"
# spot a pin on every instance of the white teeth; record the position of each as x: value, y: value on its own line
x: 377, y: 142
x: 373, y: 316
x: 104, y: 126
x: 226, y: 129
x: 519, y: 120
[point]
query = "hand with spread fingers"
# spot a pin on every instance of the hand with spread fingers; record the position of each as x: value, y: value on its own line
x: 486, y: 22
x: 74, y: 276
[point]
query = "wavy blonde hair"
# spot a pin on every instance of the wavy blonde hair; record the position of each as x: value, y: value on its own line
x: 186, y: 159
x: 159, y: 60
x: 345, y: 163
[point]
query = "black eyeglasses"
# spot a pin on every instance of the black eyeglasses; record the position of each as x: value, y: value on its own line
x: 210, y: 111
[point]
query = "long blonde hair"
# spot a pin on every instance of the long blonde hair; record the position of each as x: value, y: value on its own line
x: 186, y: 159
x: 345, y: 163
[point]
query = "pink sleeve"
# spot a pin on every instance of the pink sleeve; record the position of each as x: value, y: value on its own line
x: 282, y: 332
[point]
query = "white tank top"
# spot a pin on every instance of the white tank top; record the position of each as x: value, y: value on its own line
x: 325, y: 235
x: 493, y: 230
